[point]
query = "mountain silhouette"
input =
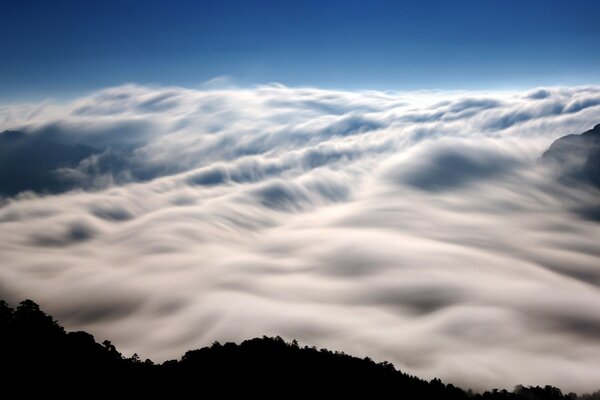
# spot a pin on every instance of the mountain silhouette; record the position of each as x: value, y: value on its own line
x: 30, y: 162
x: 38, y: 357
x: 577, y: 157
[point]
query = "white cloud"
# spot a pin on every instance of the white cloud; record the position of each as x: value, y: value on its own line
x: 414, y: 227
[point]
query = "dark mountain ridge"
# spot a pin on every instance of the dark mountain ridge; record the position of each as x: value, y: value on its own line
x: 30, y: 162
x: 577, y: 157
x: 38, y: 357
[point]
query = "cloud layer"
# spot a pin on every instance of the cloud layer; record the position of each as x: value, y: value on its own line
x: 414, y: 227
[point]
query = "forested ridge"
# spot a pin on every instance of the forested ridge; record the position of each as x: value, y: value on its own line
x: 40, y: 356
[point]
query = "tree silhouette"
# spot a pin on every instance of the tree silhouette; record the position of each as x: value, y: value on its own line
x: 38, y: 357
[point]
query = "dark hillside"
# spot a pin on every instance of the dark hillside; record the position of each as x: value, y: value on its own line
x: 40, y: 358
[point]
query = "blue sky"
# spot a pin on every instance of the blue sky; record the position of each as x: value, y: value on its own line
x: 63, y: 48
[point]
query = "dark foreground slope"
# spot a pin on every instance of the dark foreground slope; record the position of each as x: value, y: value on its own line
x: 39, y: 357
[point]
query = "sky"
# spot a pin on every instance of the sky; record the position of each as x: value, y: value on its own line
x: 386, y: 179
x: 63, y: 48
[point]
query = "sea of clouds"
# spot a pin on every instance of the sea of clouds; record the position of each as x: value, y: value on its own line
x: 415, y: 227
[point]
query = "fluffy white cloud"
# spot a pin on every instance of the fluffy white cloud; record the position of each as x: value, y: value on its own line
x: 414, y: 227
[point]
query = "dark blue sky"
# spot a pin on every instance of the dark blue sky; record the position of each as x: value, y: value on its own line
x: 62, y: 48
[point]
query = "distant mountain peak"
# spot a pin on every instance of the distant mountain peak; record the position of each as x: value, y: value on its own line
x: 594, y: 131
x: 11, y: 136
x: 577, y: 157
x: 29, y: 161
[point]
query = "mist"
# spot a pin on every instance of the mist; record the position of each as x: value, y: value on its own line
x: 415, y: 227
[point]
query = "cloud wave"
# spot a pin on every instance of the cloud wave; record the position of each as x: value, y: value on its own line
x: 414, y: 227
